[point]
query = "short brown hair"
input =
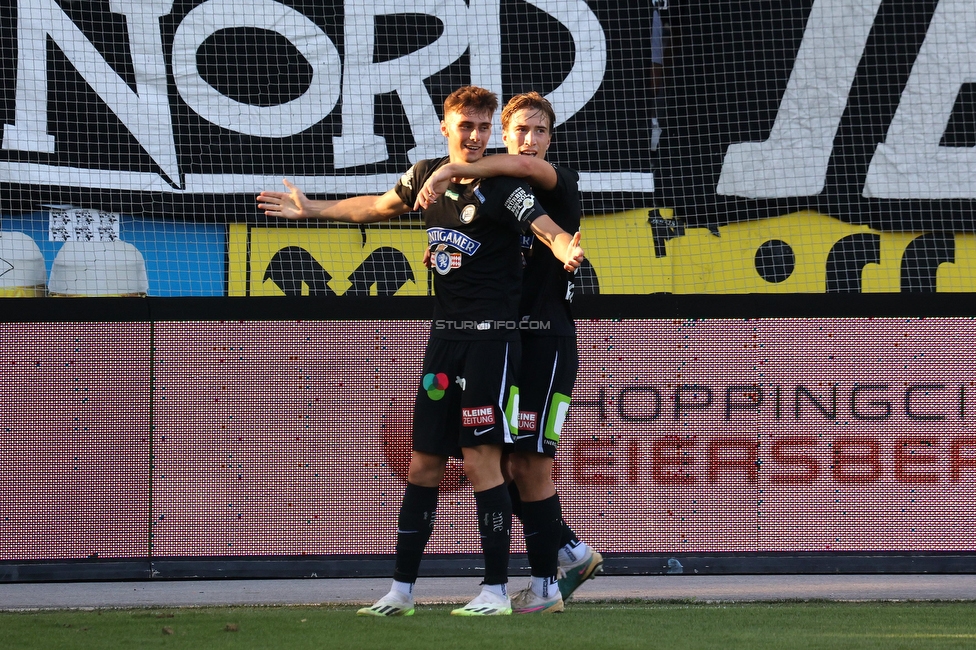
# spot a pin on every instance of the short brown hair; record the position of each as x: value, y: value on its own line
x: 471, y: 98
x: 528, y: 101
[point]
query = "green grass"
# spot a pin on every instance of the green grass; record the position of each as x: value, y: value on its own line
x: 757, y: 626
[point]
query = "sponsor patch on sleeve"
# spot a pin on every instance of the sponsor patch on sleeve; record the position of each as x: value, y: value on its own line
x: 407, y: 179
x: 520, y: 203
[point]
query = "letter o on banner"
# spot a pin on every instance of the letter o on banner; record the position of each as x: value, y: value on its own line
x: 278, y: 121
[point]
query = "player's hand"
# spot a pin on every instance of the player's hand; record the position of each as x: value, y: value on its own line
x: 435, y: 186
x: 427, y: 260
x: 575, y: 256
x: 292, y: 204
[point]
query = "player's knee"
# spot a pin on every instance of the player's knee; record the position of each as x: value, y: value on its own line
x: 483, y: 468
x: 426, y: 470
x: 519, y: 469
x: 478, y: 472
x: 507, y: 472
x: 425, y: 477
x: 533, y: 475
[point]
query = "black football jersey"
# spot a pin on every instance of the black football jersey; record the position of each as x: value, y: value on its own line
x: 473, y: 233
x: 547, y: 289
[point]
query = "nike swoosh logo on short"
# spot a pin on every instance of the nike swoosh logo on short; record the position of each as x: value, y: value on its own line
x: 482, y: 432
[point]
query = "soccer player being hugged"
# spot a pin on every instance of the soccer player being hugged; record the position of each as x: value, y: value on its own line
x: 472, y: 355
x: 549, y: 355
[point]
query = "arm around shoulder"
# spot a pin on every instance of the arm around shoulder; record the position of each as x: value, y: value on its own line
x: 539, y: 173
x: 536, y: 171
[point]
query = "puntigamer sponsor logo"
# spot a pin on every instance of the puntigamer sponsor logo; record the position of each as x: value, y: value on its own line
x: 453, y: 238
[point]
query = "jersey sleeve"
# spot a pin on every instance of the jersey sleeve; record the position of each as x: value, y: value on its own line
x: 567, y: 180
x: 563, y: 201
x: 518, y: 203
x: 408, y: 185
x: 414, y: 178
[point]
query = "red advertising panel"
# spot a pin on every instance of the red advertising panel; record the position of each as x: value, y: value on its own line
x: 74, y: 440
x: 292, y: 438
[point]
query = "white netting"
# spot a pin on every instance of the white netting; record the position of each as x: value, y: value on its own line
x: 724, y: 147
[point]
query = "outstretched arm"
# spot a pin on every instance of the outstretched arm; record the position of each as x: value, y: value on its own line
x: 565, y: 247
x: 294, y: 205
x: 537, y: 172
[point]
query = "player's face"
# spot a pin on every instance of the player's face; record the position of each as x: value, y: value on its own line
x: 467, y: 134
x: 527, y: 133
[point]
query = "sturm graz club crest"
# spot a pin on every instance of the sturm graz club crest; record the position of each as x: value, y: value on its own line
x: 445, y: 261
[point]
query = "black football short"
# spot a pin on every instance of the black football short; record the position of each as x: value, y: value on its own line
x: 467, y: 397
x: 548, y: 372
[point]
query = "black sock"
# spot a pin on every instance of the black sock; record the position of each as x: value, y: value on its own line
x: 495, y: 526
x: 542, y: 523
x: 414, y: 525
x: 513, y: 494
x: 567, y: 536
